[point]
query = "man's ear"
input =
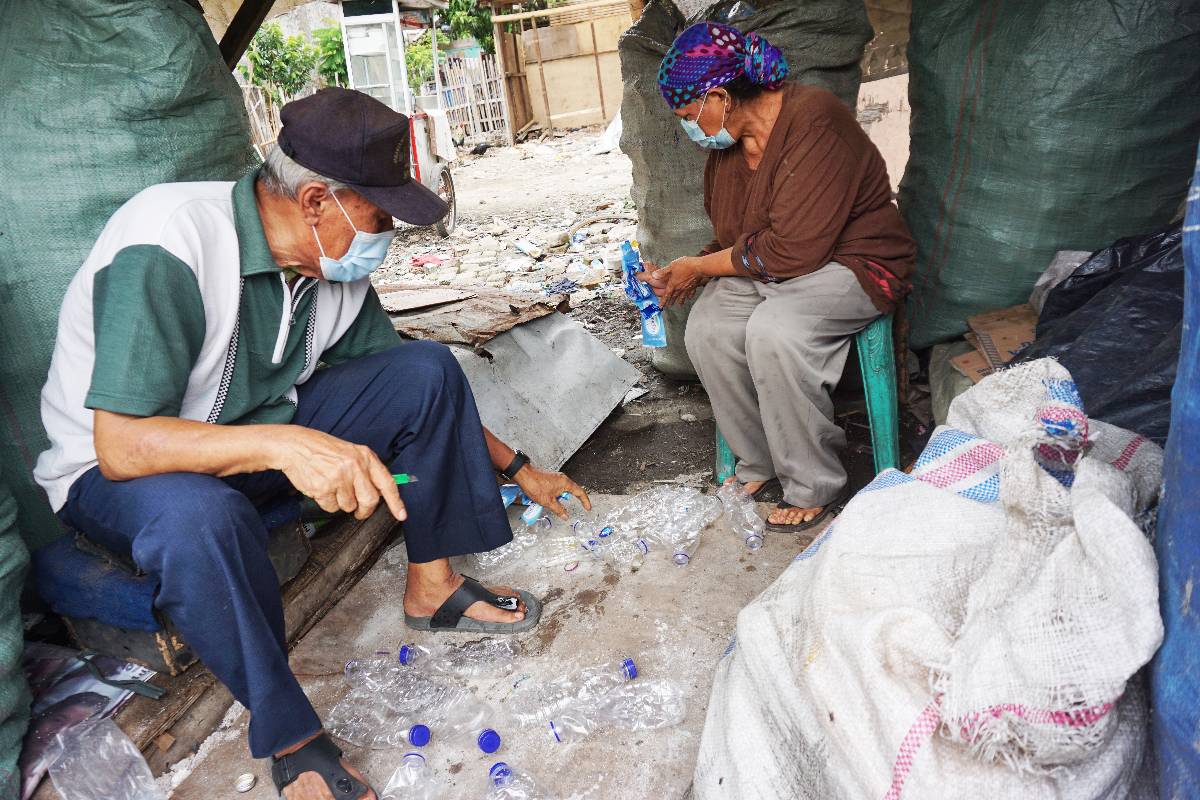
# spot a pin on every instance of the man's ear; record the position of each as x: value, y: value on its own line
x: 312, y: 198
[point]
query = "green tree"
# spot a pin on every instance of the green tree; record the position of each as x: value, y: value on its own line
x: 331, y: 56
x: 468, y: 19
x: 418, y: 59
x: 281, y: 66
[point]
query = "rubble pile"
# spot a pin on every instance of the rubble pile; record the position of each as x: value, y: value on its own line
x: 567, y: 252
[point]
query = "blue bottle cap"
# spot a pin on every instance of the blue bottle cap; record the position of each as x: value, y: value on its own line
x: 405, y: 656
x: 606, y: 531
x: 489, y: 740
x: 419, y: 735
x: 500, y: 773
x: 629, y: 668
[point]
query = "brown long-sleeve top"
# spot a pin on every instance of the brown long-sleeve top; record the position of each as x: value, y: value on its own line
x: 819, y: 194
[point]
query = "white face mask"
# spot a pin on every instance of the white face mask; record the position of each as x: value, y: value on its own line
x: 366, y: 253
x: 718, y: 141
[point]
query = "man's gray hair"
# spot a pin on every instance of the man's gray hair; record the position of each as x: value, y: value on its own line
x: 282, y: 176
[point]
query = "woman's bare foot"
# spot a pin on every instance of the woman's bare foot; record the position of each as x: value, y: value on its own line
x: 793, y: 516
x: 310, y: 785
x: 430, y: 583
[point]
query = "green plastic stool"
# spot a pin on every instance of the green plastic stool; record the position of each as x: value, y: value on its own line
x: 877, y: 361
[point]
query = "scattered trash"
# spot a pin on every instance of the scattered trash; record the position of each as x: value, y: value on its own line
x: 245, y: 782
x: 654, y: 330
x: 529, y: 248
x: 412, y: 780
x: 740, y: 513
x: 686, y: 417
x: 611, y: 139
x: 95, y: 760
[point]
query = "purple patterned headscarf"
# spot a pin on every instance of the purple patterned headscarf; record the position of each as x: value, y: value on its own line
x: 709, y: 54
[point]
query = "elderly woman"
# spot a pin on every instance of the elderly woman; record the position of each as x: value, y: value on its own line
x: 808, y: 250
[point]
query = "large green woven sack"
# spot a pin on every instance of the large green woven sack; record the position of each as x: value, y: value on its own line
x: 14, y: 693
x: 1039, y: 127
x: 98, y: 100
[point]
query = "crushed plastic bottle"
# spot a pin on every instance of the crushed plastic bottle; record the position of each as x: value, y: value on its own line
x: 412, y: 780
x: 508, y: 783
x: 740, y: 513
x: 373, y: 671
x: 383, y: 714
x: 489, y: 657
x: 536, y: 703
x: 96, y: 759
x: 607, y: 544
x: 471, y: 721
x: 634, y: 706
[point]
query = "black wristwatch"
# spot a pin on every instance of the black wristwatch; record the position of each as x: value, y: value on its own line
x: 519, y: 460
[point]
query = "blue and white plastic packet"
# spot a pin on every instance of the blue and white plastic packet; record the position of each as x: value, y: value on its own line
x: 654, y: 330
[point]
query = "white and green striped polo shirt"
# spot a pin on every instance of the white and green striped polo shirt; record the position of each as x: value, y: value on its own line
x: 179, y: 310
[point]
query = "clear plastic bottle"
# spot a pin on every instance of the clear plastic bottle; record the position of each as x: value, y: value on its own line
x: 535, y: 704
x: 633, y: 706
x: 608, y: 544
x: 382, y: 715
x: 488, y: 657
x: 740, y: 513
x: 412, y: 780
x: 471, y: 720
x: 373, y: 671
x: 507, y: 783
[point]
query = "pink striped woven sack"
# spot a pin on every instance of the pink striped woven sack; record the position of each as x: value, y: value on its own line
x: 971, y: 629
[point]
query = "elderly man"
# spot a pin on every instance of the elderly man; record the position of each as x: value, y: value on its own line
x: 187, y: 387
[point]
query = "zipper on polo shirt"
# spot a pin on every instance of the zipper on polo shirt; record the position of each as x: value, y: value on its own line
x: 291, y: 300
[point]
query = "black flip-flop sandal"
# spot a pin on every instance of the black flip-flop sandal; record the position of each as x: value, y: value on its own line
x: 450, y: 617
x: 832, y: 507
x: 323, y: 757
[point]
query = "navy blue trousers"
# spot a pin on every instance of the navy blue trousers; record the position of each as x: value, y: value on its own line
x: 203, y: 538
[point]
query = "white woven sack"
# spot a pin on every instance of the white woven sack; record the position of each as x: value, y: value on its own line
x: 830, y: 687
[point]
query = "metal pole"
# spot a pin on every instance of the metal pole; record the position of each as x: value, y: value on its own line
x: 599, y: 79
x: 437, y: 73
x: 497, y: 33
x: 537, y: 51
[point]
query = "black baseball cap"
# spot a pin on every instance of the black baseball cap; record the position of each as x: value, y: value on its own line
x: 353, y: 138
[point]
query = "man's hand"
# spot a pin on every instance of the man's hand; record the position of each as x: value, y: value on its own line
x: 676, y: 282
x: 339, y: 475
x: 543, y: 487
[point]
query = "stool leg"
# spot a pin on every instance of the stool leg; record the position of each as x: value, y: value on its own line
x: 878, y: 362
x: 725, y: 462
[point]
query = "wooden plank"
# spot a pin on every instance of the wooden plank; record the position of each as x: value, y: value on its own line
x: 474, y: 322
x: 241, y: 30
x: 195, y: 702
x: 413, y: 299
x: 548, y: 13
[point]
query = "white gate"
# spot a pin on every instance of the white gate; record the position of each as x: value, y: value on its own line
x: 473, y: 93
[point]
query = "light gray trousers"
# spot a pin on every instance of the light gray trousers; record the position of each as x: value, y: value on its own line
x: 769, y: 354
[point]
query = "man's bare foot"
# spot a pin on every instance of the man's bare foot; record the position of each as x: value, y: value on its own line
x: 430, y: 583
x: 793, y: 516
x: 310, y: 785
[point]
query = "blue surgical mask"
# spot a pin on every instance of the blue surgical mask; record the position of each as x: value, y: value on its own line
x: 366, y: 253
x: 718, y: 141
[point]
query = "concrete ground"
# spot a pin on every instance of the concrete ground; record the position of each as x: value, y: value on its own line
x: 674, y: 621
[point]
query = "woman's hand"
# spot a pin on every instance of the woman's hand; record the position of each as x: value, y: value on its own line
x: 676, y: 282
x: 544, y: 487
